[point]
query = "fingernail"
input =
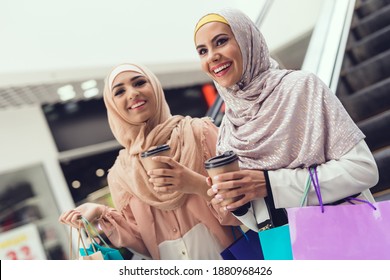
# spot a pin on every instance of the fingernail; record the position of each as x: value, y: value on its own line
x: 219, y: 197
x: 215, y: 177
x: 215, y: 188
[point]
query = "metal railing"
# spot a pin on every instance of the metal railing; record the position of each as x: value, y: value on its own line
x: 327, y: 45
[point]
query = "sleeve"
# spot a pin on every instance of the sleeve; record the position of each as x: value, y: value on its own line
x: 120, y: 227
x: 354, y: 173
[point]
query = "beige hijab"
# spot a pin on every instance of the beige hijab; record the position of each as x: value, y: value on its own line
x: 184, y: 135
x: 279, y: 118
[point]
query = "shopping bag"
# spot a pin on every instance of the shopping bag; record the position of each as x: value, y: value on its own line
x: 106, y: 252
x: 94, y: 255
x: 338, y: 232
x: 275, y: 243
x: 246, y: 247
x: 94, y: 250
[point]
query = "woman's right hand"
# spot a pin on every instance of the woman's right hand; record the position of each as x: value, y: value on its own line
x: 240, y: 186
x: 91, y: 211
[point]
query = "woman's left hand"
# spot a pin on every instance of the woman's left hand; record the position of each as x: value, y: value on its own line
x: 177, y: 178
x: 243, y: 186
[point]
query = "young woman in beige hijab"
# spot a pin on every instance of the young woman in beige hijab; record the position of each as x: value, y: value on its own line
x: 174, y: 221
x: 279, y: 123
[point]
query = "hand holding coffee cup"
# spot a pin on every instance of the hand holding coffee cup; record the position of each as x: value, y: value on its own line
x: 226, y: 162
x: 149, y: 163
x: 147, y: 157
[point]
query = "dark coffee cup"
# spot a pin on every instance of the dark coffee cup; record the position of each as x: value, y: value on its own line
x: 149, y: 164
x: 226, y: 162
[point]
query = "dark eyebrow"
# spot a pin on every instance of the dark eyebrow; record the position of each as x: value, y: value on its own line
x: 212, y: 40
x: 121, y: 84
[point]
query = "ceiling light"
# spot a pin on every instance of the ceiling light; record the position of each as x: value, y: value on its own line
x: 66, y: 92
x: 88, y: 84
x: 99, y: 172
x: 76, y: 184
x: 91, y: 92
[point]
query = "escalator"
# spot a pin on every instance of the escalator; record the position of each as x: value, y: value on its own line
x: 364, y: 82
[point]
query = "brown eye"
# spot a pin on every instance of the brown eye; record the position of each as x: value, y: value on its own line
x: 139, y: 83
x: 202, y: 51
x: 119, y: 92
x: 221, y: 41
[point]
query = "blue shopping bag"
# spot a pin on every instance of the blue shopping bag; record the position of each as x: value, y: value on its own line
x: 247, y: 247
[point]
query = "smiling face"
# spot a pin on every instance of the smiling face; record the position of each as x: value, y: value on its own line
x: 133, y: 96
x: 219, y: 53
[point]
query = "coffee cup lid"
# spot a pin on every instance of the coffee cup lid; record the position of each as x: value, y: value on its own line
x: 156, y: 150
x: 221, y: 160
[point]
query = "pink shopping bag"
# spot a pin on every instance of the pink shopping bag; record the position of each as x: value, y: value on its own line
x: 340, y: 232
x: 353, y: 232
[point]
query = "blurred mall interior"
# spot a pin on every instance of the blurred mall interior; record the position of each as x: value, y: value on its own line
x: 56, y: 146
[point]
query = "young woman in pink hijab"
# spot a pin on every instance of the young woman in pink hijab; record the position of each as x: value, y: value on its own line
x: 166, y: 213
x: 279, y: 123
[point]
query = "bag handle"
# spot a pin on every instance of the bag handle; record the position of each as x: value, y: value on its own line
x: 349, y: 200
x: 92, y: 231
x: 305, y: 192
x: 91, y: 240
x: 241, y: 231
x: 70, y: 243
x: 78, y: 242
x: 316, y: 185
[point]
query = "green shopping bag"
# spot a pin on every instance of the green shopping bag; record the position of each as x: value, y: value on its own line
x: 276, y: 241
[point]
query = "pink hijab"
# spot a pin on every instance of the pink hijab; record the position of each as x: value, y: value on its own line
x: 127, y: 177
x: 279, y: 118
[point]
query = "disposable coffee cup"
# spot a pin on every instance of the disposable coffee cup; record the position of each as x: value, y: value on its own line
x: 226, y: 162
x: 149, y: 164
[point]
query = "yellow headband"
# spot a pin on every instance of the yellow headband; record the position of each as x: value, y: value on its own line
x: 209, y: 18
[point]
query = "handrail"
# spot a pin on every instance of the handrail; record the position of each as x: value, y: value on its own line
x: 263, y: 13
x: 213, y: 111
x: 327, y: 45
x: 88, y: 150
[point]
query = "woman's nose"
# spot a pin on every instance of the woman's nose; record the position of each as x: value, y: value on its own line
x: 213, y: 56
x: 132, y: 94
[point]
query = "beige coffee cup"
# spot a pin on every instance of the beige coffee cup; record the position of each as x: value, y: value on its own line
x: 149, y: 164
x: 226, y: 162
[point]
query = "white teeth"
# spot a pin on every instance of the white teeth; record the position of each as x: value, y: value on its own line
x: 138, y: 104
x: 219, y: 69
